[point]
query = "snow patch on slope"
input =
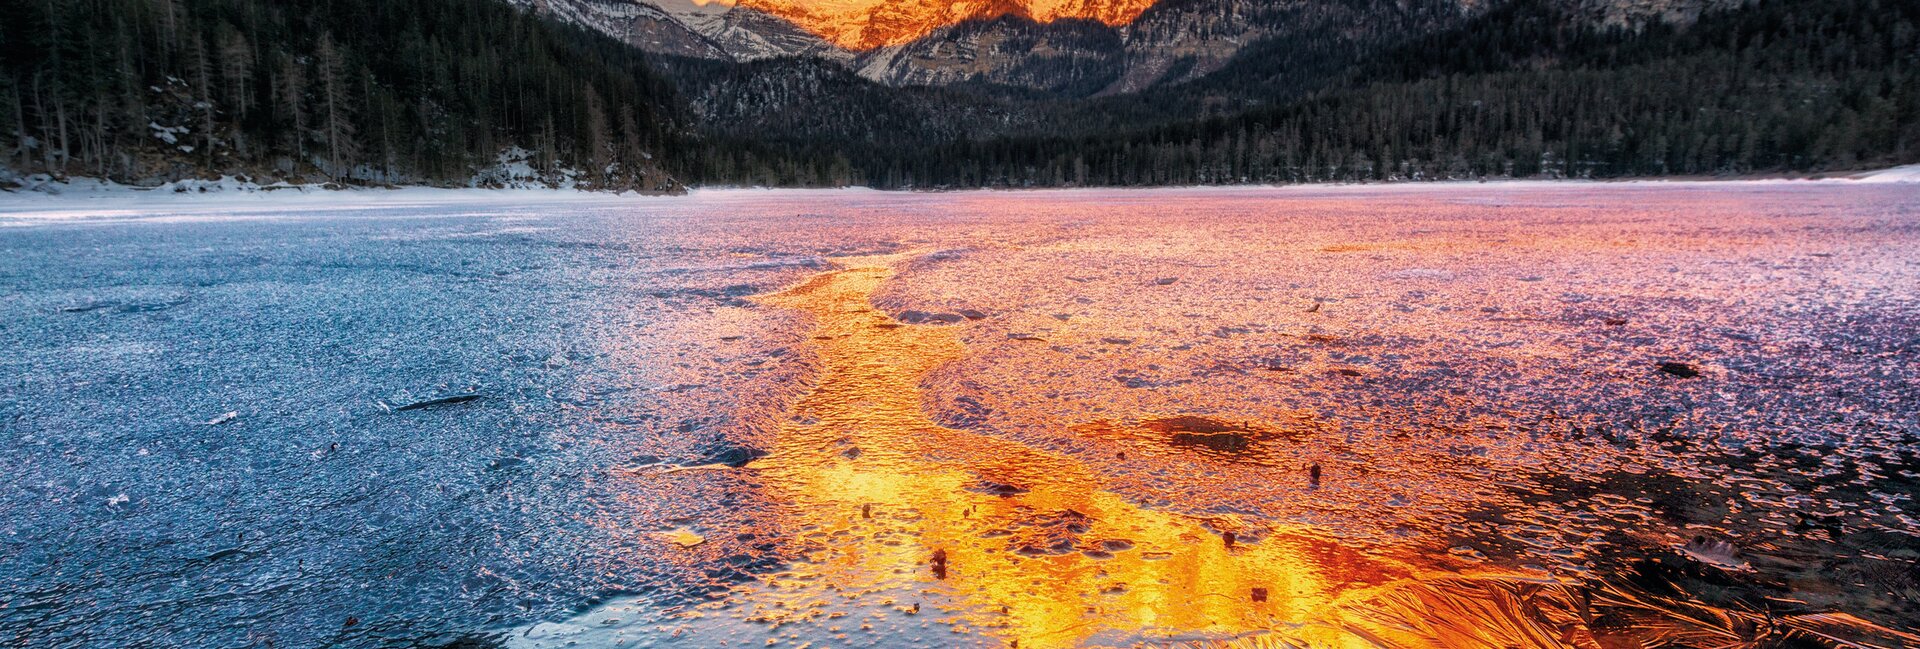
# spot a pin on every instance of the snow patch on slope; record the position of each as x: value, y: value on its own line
x: 1906, y: 174
x: 515, y: 169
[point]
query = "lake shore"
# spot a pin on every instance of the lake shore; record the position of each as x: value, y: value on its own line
x: 89, y: 198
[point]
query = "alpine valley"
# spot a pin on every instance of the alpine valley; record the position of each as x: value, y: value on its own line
x: 960, y: 324
x: 658, y: 95
x: 1065, y: 47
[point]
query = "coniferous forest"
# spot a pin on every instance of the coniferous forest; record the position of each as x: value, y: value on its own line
x: 356, y: 91
x: 1524, y: 91
x: 440, y: 91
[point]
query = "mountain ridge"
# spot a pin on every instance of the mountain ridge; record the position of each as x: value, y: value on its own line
x: 1055, y: 46
x: 1518, y: 88
x: 860, y: 25
x: 415, y: 92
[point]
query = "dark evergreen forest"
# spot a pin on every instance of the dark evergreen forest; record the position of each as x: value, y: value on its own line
x: 1525, y: 90
x: 430, y: 91
x: 359, y: 91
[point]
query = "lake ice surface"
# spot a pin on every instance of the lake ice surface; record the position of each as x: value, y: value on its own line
x: 1528, y: 414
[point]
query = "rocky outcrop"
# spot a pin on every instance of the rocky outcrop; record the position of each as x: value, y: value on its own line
x: 748, y: 35
x: 683, y: 28
x: 1184, y: 39
x: 1062, y: 47
x: 1069, y: 57
x: 1630, y: 13
x: 862, y: 25
x: 642, y: 25
x: 1171, y: 42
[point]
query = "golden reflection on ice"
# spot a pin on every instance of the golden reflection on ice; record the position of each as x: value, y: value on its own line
x: 892, y: 530
x: 1019, y: 543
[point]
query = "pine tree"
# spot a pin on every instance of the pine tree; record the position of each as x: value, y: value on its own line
x: 336, y: 107
x: 291, y: 88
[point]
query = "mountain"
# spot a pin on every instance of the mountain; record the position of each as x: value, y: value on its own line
x: 1064, y: 47
x: 459, y: 92
x: 840, y: 30
x: 1172, y: 42
x: 685, y: 28
x: 1067, y: 47
x: 859, y: 25
x: 1067, y: 57
x: 1505, y: 88
x: 1630, y: 13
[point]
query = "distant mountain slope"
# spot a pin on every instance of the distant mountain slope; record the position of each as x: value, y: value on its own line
x: 684, y: 28
x: 859, y: 25
x: 1068, y: 57
x: 1067, y: 47
x: 1173, y: 42
x: 1063, y: 47
x: 371, y: 91
x: 1521, y: 88
x: 1628, y: 13
x: 1191, y: 91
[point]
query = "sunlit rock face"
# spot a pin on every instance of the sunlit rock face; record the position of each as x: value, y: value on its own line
x: 711, y: 30
x: 1166, y: 44
x: 867, y: 24
x: 1070, y: 48
x: 758, y: 29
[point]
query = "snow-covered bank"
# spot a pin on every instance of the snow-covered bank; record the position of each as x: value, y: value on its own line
x: 1906, y: 174
x: 37, y: 199
x: 40, y: 199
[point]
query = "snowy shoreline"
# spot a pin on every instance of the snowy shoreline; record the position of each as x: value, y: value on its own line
x: 93, y: 199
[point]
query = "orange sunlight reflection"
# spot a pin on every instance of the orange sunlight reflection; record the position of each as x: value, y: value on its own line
x: 894, y: 530
x: 1024, y: 544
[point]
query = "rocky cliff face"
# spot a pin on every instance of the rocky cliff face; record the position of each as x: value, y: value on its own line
x: 799, y: 99
x: 1062, y: 47
x: 748, y: 35
x: 1077, y: 57
x: 643, y: 25
x: 1186, y: 39
x: 861, y: 25
x: 1171, y: 42
x: 1639, y: 12
x: 683, y: 28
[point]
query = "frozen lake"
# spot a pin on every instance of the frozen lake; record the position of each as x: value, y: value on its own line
x: 1585, y: 415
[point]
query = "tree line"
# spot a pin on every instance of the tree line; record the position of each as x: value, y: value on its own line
x: 362, y: 91
x: 436, y: 91
x: 1524, y: 90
